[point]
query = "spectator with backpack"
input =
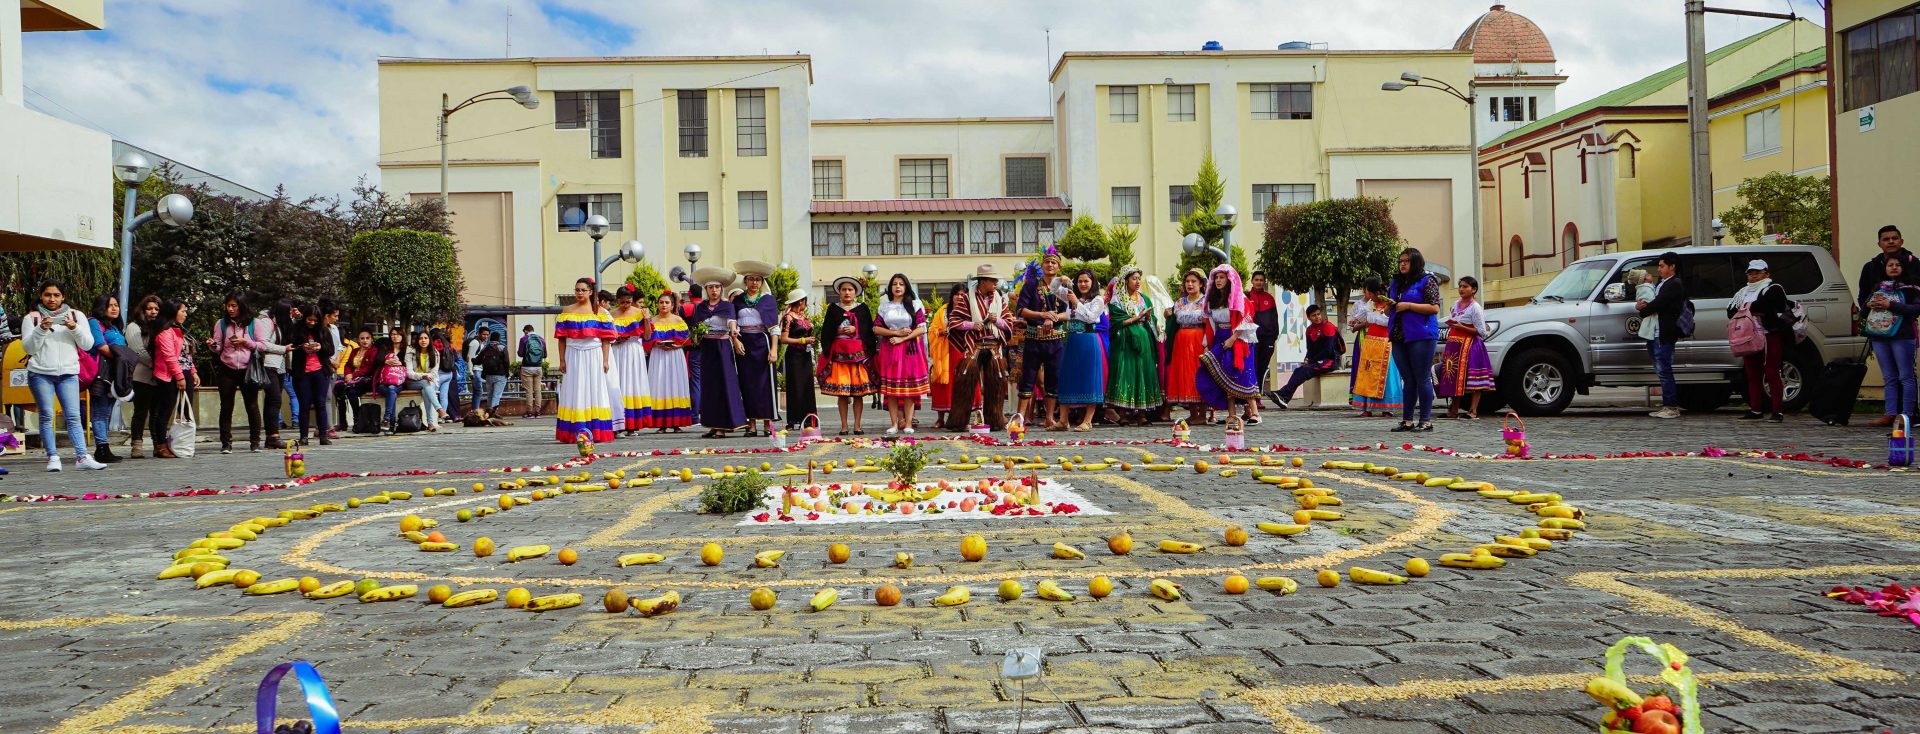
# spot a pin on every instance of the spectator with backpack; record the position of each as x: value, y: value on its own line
x: 1672, y: 315
x: 491, y: 359
x: 1891, y: 308
x: 1760, y: 319
x: 533, y: 357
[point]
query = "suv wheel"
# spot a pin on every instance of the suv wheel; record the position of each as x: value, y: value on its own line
x: 1537, y: 381
x: 1798, y: 374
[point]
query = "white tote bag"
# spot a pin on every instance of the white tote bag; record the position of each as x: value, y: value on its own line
x: 183, y: 432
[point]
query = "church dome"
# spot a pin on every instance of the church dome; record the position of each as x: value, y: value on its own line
x: 1501, y: 36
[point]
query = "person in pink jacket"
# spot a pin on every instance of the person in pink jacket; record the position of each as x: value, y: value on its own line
x: 172, y: 372
x: 236, y: 339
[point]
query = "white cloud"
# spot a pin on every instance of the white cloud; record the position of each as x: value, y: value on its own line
x: 283, y: 91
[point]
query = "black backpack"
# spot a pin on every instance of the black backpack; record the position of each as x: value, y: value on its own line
x: 409, y: 420
x: 366, y: 418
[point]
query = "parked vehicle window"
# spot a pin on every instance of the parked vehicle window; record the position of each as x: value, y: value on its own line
x: 1577, y: 281
x: 1650, y: 265
x: 1710, y: 277
x: 1797, y: 272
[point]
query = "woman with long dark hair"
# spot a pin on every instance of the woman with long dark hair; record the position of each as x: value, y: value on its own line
x: 313, y: 350
x: 115, y: 360
x: 942, y: 358
x: 1415, y: 334
x: 138, y: 328
x: 270, y: 337
x: 667, y: 376
x: 1083, y: 371
x: 903, y: 361
x: 1133, y: 349
x: 581, y: 336
x: 53, y: 335
x: 634, y: 411
x: 236, y: 337
x: 422, y: 363
x: 796, y: 333
x: 843, y: 371
x: 173, y: 373
x: 1188, y: 324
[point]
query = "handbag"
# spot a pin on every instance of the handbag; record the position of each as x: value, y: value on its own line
x: 183, y: 432
x: 258, y: 375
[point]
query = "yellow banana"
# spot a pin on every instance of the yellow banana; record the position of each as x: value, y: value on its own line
x: 1281, y: 584
x: 1497, y: 494
x: 1243, y: 460
x: 1062, y: 550
x: 1051, y: 591
x: 1506, y: 551
x: 218, y: 544
x: 1406, y: 476
x: 655, y: 606
x: 216, y: 578
x: 1528, y: 498
x: 553, y: 601
x: 205, y: 557
x: 1471, y: 560
x: 1166, y: 590
x: 954, y: 597
x: 963, y: 467
x: 175, y: 571
x: 523, y: 552
x: 1275, y: 528
x: 1552, y: 533
x: 335, y: 589
x: 1350, y: 465
x: 277, y: 586
x: 269, y: 522
x: 638, y: 559
x: 378, y: 499
x: 300, y: 514
x: 254, y: 527
x: 1539, y: 544
x: 1370, y: 576
x: 1562, y: 511
x: 327, y: 507
x: 438, y: 547
x: 471, y: 598
x: 241, y: 534
x: 1323, y: 514
x: 1439, y: 481
x: 823, y: 598
x: 398, y: 495
x: 413, y: 536
x: 1322, y: 499
x: 768, y: 559
x: 390, y: 593
x: 1096, y: 466
x: 1561, y: 523
x: 1175, y: 546
x: 1612, y: 693
x: 1466, y: 486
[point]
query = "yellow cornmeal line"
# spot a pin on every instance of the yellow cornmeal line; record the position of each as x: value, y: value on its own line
x: 1427, y: 520
x: 108, y: 716
x: 1888, y: 525
x: 641, y: 513
x: 1406, y: 456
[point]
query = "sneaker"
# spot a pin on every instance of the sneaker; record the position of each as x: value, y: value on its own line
x: 893, y: 431
x: 1666, y: 412
x: 1753, y: 415
x: 53, y: 463
x: 1776, y: 418
x: 86, y: 463
x: 1280, y: 401
x: 226, y: 449
x: 909, y: 430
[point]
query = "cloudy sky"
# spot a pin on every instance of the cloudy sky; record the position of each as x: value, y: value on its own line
x: 273, y: 92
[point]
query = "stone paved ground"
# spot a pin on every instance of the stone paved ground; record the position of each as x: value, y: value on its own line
x: 1723, y: 557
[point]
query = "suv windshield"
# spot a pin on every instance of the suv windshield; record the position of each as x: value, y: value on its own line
x: 1576, y: 282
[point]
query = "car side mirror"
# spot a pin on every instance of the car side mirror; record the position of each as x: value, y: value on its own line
x: 1614, y: 293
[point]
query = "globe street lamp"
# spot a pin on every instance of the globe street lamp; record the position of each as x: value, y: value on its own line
x: 1414, y: 79
x: 174, y: 210
x: 518, y: 93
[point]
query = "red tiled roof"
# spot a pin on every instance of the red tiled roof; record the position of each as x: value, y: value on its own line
x: 1501, y: 36
x: 917, y: 206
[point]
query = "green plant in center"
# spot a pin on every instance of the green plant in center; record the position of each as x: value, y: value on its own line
x: 737, y: 493
x: 905, y: 460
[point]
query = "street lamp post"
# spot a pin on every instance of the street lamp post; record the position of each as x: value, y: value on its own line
x: 174, y: 210
x: 1194, y: 244
x: 518, y: 93
x: 1412, y: 79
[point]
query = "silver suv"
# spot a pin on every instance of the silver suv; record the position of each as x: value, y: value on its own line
x: 1580, y: 331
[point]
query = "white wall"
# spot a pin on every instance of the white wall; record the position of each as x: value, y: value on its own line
x: 56, y: 182
x: 976, y: 147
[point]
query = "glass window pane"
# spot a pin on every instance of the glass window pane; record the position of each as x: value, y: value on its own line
x: 753, y: 210
x: 1026, y: 176
x: 750, y: 121
x: 1123, y: 104
x: 604, y: 124
x: 827, y: 180
x: 890, y: 238
x: 838, y: 239
x: 1896, y: 42
x: 1179, y: 202
x: 923, y: 178
x: 569, y: 112
x: 942, y: 237
x: 693, y: 123
x: 1126, y: 205
x: 1863, y: 73
x: 693, y: 210
x: 1180, y: 103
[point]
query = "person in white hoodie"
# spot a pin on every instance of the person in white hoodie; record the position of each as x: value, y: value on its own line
x: 54, y: 336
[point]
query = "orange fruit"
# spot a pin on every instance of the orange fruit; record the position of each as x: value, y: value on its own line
x: 517, y: 598
x: 1236, y: 535
x: 410, y: 523
x: 1417, y: 567
x: 204, y: 567
x: 1298, y: 462
x: 711, y: 554
x: 439, y: 593
x: 838, y: 553
x: 1302, y: 518
x: 245, y: 579
x: 506, y: 502
x: 973, y: 547
x: 308, y: 584
x: 569, y: 556
x: 1200, y: 467
x: 1100, y: 587
x: 1236, y: 585
x: 887, y: 596
x: 1121, y: 544
x: 482, y: 547
x: 436, y: 537
x: 1308, y: 502
x: 761, y: 599
x: 1328, y: 577
x: 615, y: 601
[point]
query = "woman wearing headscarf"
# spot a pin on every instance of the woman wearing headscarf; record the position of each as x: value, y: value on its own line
x: 721, y: 408
x: 1374, y: 385
x: 756, y: 312
x: 1415, y: 333
x: 903, y: 358
x: 629, y: 352
x: 672, y: 386
x: 1134, y: 384
x: 1188, y: 322
x: 844, y: 372
x: 581, y: 336
x: 1083, y: 371
x: 795, y: 331
x: 1227, y: 372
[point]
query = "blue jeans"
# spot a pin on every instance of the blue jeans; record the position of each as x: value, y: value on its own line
x: 66, y: 389
x: 102, y: 416
x: 1896, y: 357
x: 293, y: 398
x: 1415, y: 360
x: 1663, y: 365
x: 443, y: 382
x: 496, y: 386
x: 392, y: 395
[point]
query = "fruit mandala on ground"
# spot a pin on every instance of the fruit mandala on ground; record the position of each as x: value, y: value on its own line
x: 983, y: 499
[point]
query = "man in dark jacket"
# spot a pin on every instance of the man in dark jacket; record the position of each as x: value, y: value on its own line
x: 1892, y: 245
x: 1669, y: 302
x: 491, y: 357
x: 1323, y: 354
x: 1266, y: 331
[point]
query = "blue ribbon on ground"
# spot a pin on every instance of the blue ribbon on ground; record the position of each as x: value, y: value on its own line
x: 326, y: 720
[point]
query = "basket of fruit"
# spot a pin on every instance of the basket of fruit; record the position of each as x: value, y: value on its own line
x: 1628, y: 712
x: 324, y: 718
x: 295, y: 461
x: 585, y: 442
x: 810, y: 427
x: 1900, y: 445
x: 1514, y: 432
x: 1236, y: 437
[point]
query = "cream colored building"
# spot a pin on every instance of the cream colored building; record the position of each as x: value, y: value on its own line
x: 56, y: 178
x: 1876, y: 123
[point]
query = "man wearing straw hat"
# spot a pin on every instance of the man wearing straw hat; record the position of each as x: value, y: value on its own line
x: 978, y: 327
x: 756, y: 312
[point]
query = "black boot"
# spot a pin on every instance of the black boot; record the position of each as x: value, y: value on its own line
x: 104, y: 454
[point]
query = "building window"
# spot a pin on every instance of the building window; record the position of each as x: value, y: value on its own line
x: 836, y: 239
x: 693, y: 210
x: 1282, y: 101
x: 1180, y: 103
x: 1880, y: 58
x: 889, y: 238
x: 1179, y: 202
x: 1513, y: 109
x: 1629, y: 162
x: 1026, y: 176
x: 693, y: 123
x: 1266, y: 196
x: 1123, y: 104
x: 923, y: 178
x: 943, y: 237
x: 596, y: 111
x: 575, y: 208
x: 1126, y: 205
x: 753, y: 210
x: 1533, y: 109
x: 1037, y: 232
x: 750, y: 121
x: 828, y: 181
x: 992, y: 236
x: 1763, y: 132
